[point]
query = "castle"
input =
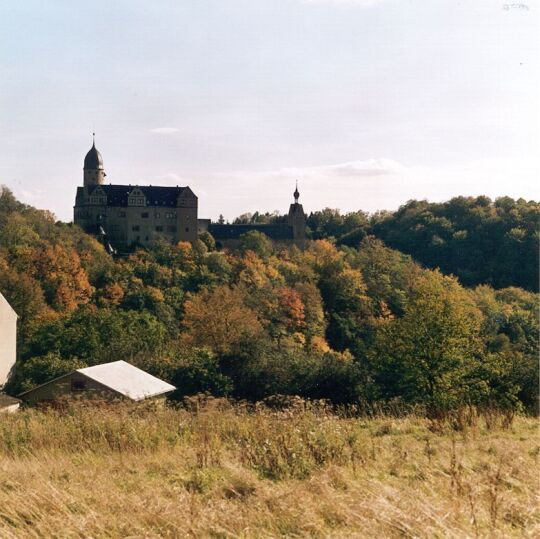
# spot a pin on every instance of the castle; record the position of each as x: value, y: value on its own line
x: 125, y: 216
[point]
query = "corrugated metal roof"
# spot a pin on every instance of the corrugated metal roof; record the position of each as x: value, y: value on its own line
x: 127, y: 380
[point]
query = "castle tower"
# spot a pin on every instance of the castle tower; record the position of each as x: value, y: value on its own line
x: 297, y: 217
x: 94, y: 173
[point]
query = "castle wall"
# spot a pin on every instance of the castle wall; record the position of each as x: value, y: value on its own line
x: 127, y: 225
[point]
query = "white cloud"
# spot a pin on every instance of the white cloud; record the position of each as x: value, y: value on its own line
x: 164, y: 130
x: 369, y: 185
x: 31, y: 194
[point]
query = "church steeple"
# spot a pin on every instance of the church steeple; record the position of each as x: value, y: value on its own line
x: 297, y: 217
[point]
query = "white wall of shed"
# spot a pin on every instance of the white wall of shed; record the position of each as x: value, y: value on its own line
x: 8, y: 339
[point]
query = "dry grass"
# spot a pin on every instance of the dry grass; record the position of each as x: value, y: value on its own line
x: 223, y: 471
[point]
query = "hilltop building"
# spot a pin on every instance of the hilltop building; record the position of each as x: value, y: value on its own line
x: 123, y: 216
x: 126, y: 215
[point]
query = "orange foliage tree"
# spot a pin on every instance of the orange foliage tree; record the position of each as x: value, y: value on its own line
x: 219, y: 319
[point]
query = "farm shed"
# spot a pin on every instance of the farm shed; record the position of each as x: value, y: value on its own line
x: 108, y: 381
x: 8, y: 339
x: 8, y: 404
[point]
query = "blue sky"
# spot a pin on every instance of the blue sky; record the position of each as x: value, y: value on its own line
x: 368, y: 103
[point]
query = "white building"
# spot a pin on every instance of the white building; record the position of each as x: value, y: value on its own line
x: 8, y: 339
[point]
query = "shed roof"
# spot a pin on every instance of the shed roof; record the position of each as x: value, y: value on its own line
x: 120, y: 377
x: 127, y: 380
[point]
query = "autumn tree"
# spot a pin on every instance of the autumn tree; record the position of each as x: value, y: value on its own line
x: 64, y: 280
x: 219, y: 319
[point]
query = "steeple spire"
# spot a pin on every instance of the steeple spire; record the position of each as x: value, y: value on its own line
x: 296, y: 193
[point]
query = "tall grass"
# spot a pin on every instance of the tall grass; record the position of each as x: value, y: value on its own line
x: 214, y: 469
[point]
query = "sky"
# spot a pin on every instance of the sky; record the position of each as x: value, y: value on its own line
x: 367, y: 103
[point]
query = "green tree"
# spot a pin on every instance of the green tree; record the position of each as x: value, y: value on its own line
x: 425, y: 356
x: 257, y: 242
x: 41, y: 369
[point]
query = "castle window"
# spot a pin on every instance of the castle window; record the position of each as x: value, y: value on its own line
x: 135, y: 228
x: 144, y: 215
x: 187, y: 229
x: 121, y: 214
x: 171, y: 229
x: 159, y: 229
x: 158, y: 215
x: 170, y: 215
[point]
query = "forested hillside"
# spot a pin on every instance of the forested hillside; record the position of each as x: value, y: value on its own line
x: 356, y: 322
x: 478, y: 240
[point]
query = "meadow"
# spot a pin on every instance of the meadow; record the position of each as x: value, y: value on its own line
x: 217, y: 469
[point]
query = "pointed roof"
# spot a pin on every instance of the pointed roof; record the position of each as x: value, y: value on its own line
x: 4, y: 301
x: 93, y: 159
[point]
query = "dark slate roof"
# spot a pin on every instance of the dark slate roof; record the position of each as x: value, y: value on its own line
x: 231, y: 232
x: 93, y: 159
x: 117, y: 195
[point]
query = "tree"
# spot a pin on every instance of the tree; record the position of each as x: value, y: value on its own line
x: 97, y: 336
x: 425, y: 356
x: 198, y: 372
x: 257, y: 242
x: 65, y: 282
x: 219, y: 319
x: 208, y: 240
x: 41, y: 369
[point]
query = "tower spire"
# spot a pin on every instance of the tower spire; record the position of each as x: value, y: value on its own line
x: 296, y: 194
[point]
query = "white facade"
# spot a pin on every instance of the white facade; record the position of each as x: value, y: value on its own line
x: 8, y: 339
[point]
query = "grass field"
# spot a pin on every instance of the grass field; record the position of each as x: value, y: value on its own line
x: 218, y: 470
